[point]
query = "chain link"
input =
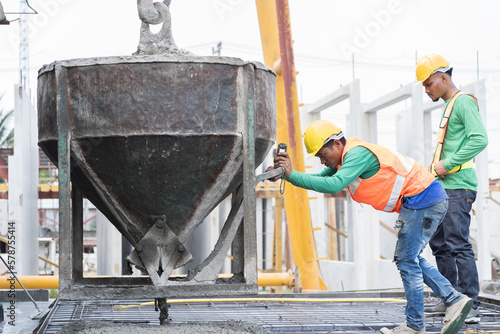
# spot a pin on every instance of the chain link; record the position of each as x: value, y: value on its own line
x: 148, y: 13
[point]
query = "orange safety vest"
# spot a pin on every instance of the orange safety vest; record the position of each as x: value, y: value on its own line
x: 398, y: 176
x: 443, y: 125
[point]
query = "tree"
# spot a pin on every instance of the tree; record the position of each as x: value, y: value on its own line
x: 6, y: 133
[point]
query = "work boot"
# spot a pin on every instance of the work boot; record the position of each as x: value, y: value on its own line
x: 438, y: 309
x: 455, y: 315
x: 473, y: 317
x: 402, y: 329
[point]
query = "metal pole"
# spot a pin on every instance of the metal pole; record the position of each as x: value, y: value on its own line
x: 65, y: 235
x: 77, y: 233
x: 353, y: 71
x: 300, y: 227
x: 477, y: 62
x: 24, y: 46
x: 249, y: 220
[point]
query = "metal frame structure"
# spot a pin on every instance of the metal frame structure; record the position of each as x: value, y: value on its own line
x: 74, y: 286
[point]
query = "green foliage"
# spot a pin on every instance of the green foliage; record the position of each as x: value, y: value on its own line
x: 43, y: 176
x: 6, y: 134
x: 53, y: 293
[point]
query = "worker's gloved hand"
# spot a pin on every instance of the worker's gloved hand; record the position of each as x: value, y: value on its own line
x: 283, y: 160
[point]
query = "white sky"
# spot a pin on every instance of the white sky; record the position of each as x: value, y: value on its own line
x: 386, y: 36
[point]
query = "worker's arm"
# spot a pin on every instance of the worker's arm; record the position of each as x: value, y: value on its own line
x: 283, y: 160
x: 469, y: 134
x: 358, y: 162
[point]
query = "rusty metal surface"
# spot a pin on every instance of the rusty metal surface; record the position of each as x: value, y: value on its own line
x: 157, y: 135
x: 156, y: 95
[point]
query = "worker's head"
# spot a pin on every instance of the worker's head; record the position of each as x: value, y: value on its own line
x: 326, y: 141
x: 434, y: 72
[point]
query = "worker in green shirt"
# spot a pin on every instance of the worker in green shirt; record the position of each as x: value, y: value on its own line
x: 461, y: 137
x: 390, y: 182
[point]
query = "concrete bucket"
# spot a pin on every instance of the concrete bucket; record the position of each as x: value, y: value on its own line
x: 156, y: 140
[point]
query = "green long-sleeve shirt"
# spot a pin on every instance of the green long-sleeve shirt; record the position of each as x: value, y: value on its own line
x: 358, y: 162
x: 465, y: 138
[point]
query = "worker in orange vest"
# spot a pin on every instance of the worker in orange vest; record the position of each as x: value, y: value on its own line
x: 390, y: 182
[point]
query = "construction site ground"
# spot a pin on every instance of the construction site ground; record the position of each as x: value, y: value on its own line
x: 351, y: 312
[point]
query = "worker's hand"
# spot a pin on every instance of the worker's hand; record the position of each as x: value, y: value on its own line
x: 283, y: 160
x: 274, y: 179
x: 440, y: 170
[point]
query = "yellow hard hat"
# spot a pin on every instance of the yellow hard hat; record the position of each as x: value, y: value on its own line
x: 428, y: 64
x: 318, y: 133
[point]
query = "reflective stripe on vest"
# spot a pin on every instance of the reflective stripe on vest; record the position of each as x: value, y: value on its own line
x: 354, y: 185
x: 406, y: 161
x: 396, y: 190
x: 443, y: 125
x: 398, y: 184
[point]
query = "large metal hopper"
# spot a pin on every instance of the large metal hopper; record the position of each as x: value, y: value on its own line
x: 158, y: 140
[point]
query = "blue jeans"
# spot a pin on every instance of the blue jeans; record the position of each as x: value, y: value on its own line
x: 415, y: 228
x: 450, y: 245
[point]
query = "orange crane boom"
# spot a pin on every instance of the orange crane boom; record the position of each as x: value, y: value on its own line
x: 275, y: 31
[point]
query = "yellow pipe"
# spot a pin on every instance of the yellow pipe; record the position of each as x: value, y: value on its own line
x: 301, y: 300
x: 336, y: 230
x: 30, y: 282
x: 41, y: 187
x: 48, y: 261
x: 277, y: 279
x: 52, y: 282
x: 288, y: 131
